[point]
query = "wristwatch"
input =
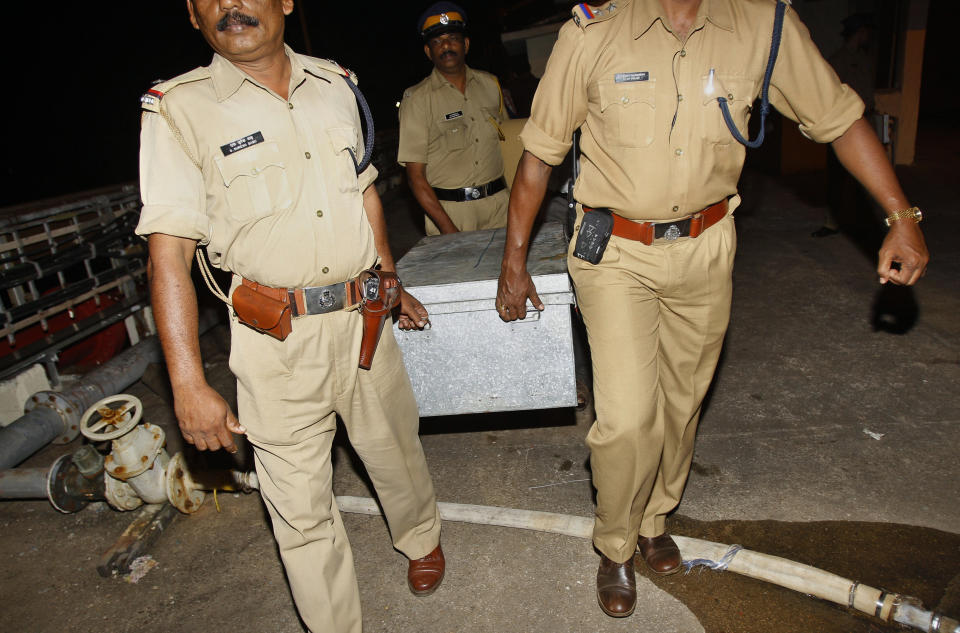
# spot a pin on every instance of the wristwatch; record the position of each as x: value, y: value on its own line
x: 913, y: 213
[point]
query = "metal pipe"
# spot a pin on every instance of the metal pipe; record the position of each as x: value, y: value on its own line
x: 24, y: 483
x: 56, y: 414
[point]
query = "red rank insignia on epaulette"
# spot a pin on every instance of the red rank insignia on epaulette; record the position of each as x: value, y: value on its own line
x: 151, y: 97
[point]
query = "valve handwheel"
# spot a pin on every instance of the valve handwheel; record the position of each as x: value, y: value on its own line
x: 111, y: 417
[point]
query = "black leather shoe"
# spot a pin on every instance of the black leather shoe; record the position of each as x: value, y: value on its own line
x: 616, y: 587
x: 660, y: 553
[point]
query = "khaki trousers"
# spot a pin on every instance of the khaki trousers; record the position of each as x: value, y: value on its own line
x: 655, y: 317
x: 288, y: 396
x: 474, y: 215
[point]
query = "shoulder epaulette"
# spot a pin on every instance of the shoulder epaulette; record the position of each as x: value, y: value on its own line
x: 331, y: 66
x: 150, y: 100
x: 584, y: 14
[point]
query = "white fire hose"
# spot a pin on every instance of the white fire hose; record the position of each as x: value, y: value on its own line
x: 889, y: 607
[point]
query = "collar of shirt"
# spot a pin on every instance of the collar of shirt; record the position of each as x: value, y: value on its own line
x: 438, y: 80
x: 227, y: 78
x: 646, y: 12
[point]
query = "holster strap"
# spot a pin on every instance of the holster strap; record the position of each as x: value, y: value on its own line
x: 647, y: 232
x: 323, y: 299
x: 465, y: 194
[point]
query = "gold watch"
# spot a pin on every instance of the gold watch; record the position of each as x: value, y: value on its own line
x: 913, y: 213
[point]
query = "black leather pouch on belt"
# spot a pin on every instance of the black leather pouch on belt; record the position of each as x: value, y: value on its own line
x: 596, y: 228
x: 263, y: 308
x: 381, y: 293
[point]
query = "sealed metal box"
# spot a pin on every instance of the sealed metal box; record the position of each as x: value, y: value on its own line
x: 469, y: 360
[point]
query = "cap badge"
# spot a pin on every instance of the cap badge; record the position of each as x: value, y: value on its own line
x: 444, y: 18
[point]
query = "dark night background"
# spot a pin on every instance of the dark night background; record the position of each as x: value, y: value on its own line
x: 72, y: 111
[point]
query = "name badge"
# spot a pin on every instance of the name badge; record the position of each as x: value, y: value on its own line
x: 454, y: 115
x: 621, y: 78
x: 242, y: 143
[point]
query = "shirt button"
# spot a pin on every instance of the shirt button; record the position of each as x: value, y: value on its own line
x: 324, y: 270
x: 679, y: 97
x: 678, y: 152
x: 624, y: 100
x: 676, y: 208
x: 319, y: 213
x: 476, y: 140
x: 306, y: 155
x: 290, y: 105
x: 683, y: 52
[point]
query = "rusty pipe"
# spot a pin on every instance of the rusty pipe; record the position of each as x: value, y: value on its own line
x: 65, y: 484
x: 52, y: 415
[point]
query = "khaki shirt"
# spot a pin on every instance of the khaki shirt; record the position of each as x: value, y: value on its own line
x: 654, y: 144
x: 455, y: 134
x: 267, y: 184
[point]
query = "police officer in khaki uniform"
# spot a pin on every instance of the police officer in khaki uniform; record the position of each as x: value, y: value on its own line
x: 254, y: 157
x: 450, y: 132
x: 643, y: 80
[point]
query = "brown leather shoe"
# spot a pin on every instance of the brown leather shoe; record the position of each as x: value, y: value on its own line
x: 425, y: 574
x: 661, y: 554
x: 616, y: 587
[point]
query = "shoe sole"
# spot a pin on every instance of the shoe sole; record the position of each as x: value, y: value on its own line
x: 616, y: 615
x: 426, y: 592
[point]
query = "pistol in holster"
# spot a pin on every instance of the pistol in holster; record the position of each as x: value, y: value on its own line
x: 380, y: 293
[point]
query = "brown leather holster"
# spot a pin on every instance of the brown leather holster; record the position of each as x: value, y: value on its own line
x: 263, y: 308
x: 381, y: 293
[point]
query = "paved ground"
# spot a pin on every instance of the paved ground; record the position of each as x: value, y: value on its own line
x: 827, y: 437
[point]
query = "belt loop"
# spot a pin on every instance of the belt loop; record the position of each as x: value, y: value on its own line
x: 301, y: 302
x: 696, y: 225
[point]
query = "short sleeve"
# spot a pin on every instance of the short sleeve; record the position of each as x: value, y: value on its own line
x: 805, y: 88
x: 414, y: 133
x: 171, y: 185
x: 560, y: 103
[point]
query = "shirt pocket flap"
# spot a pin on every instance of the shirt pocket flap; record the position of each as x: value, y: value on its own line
x: 342, y: 138
x: 626, y: 93
x: 733, y: 88
x: 250, y: 162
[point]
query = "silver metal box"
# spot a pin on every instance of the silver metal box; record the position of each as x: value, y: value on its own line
x: 469, y: 361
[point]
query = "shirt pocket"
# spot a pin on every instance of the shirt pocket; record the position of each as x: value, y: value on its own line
x: 347, y: 159
x: 739, y: 93
x: 627, y: 110
x: 454, y: 133
x: 256, y: 181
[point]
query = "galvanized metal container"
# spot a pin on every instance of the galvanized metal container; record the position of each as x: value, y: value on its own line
x: 469, y: 360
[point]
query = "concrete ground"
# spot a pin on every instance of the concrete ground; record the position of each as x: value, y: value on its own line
x: 834, y: 412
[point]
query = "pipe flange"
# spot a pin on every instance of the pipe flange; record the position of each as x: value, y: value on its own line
x: 65, y: 409
x: 57, y: 489
x: 120, y: 494
x: 135, y: 452
x: 182, y: 491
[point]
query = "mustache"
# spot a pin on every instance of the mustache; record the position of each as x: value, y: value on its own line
x: 236, y: 18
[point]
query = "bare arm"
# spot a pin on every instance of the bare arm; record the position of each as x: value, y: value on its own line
x: 516, y: 285
x: 412, y: 313
x: 863, y: 156
x: 206, y: 420
x: 423, y: 192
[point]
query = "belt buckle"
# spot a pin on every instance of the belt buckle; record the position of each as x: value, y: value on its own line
x: 473, y: 192
x: 326, y: 298
x: 672, y: 233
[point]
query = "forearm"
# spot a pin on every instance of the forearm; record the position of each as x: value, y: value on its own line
x: 174, y: 303
x: 861, y: 153
x: 423, y: 192
x: 378, y: 222
x: 529, y: 187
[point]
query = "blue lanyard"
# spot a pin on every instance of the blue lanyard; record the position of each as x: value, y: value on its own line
x: 764, y: 96
x: 368, y: 118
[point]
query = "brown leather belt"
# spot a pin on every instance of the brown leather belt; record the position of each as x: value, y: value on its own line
x: 647, y: 232
x: 323, y: 299
x: 465, y: 194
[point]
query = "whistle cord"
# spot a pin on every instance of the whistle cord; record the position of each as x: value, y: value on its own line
x: 764, y: 93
